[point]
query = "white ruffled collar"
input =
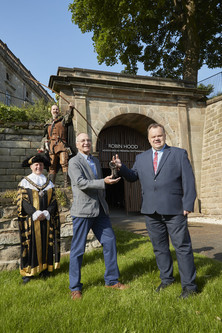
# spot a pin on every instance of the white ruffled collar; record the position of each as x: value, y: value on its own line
x: 39, y: 180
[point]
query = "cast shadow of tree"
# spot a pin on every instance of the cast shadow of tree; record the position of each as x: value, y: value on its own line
x: 211, y: 268
x: 216, y: 256
x: 131, y: 272
x: 126, y: 242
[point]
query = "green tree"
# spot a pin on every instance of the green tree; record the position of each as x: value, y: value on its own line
x: 172, y: 38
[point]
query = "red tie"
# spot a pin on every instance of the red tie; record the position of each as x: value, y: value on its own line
x: 155, y: 161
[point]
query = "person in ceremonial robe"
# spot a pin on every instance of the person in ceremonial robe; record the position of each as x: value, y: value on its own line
x: 39, y: 222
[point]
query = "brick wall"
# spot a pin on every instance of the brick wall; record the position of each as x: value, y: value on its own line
x: 211, y: 173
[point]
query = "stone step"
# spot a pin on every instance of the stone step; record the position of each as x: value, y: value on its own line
x: 9, y: 265
x: 8, y: 211
x: 9, y: 223
x: 9, y: 237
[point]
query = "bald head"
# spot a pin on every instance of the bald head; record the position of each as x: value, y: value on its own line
x: 83, y: 143
x: 55, y: 111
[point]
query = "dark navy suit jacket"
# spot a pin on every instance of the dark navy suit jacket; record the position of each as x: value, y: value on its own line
x: 172, y: 189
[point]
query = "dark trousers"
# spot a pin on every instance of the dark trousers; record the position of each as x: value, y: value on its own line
x: 103, y: 231
x: 159, y: 228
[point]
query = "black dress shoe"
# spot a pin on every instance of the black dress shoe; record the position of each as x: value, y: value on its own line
x: 26, y: 279
x: 44, y: 274
x: 163, y: 286
x: 187, y: 292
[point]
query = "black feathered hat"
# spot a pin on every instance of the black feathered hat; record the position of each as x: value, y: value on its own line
x: 38, y: 158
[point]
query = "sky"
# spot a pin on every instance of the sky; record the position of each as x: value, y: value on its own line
x: 41, y: 34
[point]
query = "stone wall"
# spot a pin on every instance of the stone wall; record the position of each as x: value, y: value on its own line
x: 10, y: 239
x: 17, y: 143
x: 15, y: 86
x: 211, y: 171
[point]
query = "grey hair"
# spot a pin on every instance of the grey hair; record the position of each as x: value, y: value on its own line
x: 79, y: 135
x: 155, y: 125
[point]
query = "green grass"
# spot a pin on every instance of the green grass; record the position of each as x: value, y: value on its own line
x: 45, y: 305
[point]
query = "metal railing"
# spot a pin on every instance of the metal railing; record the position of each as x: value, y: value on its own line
x: 215, y: 81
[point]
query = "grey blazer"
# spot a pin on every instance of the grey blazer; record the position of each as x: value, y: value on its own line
x: 88, y: 192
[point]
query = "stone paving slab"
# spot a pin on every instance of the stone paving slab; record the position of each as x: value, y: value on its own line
x: 206, y: 234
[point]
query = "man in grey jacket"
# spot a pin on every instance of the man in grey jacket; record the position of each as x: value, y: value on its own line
x: 90, y: 211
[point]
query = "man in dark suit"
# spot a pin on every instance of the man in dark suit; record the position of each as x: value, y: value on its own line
x: 168, y: 192
x: 90, y: 211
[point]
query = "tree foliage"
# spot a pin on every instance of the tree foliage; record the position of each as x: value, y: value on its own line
x: 209, y: 88
x: 172, y: 38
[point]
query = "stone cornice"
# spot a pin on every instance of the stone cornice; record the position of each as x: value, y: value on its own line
x: 116, y: 83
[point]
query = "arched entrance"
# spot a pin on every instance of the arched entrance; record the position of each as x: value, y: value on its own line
x: 127, y: 142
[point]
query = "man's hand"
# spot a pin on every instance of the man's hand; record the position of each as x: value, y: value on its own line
x: 186, y: 212
x: 109, y: 180
x: 117, y: 161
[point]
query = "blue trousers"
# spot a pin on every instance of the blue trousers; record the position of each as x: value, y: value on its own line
x: 159, y: 228
x: 103, y: 231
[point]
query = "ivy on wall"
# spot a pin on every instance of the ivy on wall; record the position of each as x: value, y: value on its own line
x: 38, y: 112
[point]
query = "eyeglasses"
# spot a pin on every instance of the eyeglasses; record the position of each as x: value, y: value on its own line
x: 85, y: 140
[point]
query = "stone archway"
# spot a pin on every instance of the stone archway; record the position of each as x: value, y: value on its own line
x: 138, y: 121
x: 126, y: 135
x: 127, y: 143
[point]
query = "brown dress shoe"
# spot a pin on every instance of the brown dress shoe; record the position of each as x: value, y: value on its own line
x: 118, y: 285
x: 76, y: 294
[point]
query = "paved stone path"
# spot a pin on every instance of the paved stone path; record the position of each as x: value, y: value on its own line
x: 206, y: 237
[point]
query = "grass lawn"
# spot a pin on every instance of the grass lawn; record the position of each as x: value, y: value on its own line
x: 45, y: 305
